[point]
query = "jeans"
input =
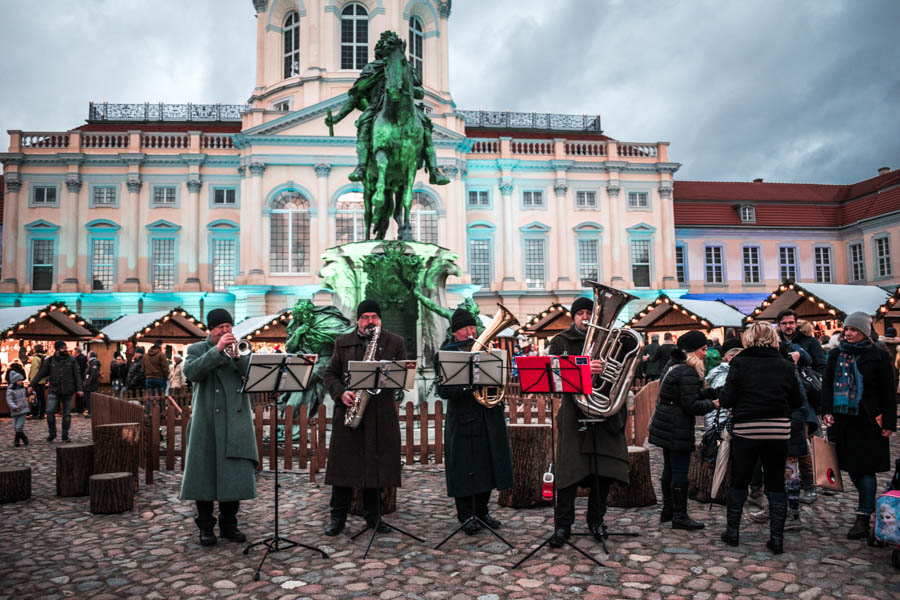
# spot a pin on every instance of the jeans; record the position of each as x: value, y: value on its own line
x: 87, y: 402
x: 866, y: 485
x: 771, y: 453
x: 675, y: 466
x: 53, y: 401
x: 156, y: 387
x: 19, y: 423
x: 565, y: 501
x: 40, y: 401
x: 118, y: 387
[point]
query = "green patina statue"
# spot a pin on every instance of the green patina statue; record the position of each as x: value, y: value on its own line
x: 393, y: 137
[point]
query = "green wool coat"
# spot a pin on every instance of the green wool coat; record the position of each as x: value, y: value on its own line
x: 221, y: 445
x: 602, y: 447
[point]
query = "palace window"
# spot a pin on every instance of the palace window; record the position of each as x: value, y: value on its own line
x: 533, y: 199
x: 680, y: 270
x: 585, y: 199
x: 535, y: 262
x: 751, y: 264
x: 42, y: 264
x: 282, y: 105
x: 423, y: 216
x: 640, y: 263
x: 162, y: 264
x: 480, y: 261
x: 823, y: 264
x: 289, y: 234
x: 291, y: 45
x: 857, y: 262
x: 638, y: 200
x: 715, y: 269
x: 44, y: 195
x: 354, y: 37
x: 164, y: 195
x: 748, y: 213
x: 103, y: 264
x: 104, y: 195
x: 787, y: 263
x: 883, y: 266
x: 479, y: 198
x: 224, y: 261
x: 224, y: 197
x: 349, y: 223
x: 416, y: 44
x: 588, y: 258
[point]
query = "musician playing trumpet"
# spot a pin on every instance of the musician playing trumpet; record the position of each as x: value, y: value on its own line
x: 368, y: 456
x: 593, y: 456
x: 477, y: 454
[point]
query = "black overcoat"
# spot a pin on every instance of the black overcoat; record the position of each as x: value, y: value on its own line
x: 475, y: 439
x: 368, y: 456
x: 601, y: 449
x: 681, y: 399
x: 860, y: 446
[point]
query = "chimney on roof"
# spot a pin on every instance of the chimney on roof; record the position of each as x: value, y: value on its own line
x: 758, y: 180
x: 884, y: 170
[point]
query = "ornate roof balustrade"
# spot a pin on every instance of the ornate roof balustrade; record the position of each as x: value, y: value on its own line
x: 105, y: 111
x: 525, y: 120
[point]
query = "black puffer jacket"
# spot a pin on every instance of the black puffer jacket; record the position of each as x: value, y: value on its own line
x: 681, y: 398
x: 761, y: 384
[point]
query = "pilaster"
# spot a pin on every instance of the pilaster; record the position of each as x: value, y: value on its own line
x: 322, y: 195
x: 10, y: 230
x: 191, y: 241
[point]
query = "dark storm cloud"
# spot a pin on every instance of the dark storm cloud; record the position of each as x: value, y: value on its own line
x: 788, y: 91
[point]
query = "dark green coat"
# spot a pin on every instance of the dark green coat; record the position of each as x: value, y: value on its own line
x: 601, y: 449
x: 221, y: 446
x: 368, y: 456
x: 475, y: 440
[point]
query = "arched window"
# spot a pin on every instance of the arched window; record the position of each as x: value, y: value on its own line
x: 354, y: 36
x: 291, y: 45
x: 416, y: 44
x: 349, y: 224
x: 424, y: 218
x: 289, y: 234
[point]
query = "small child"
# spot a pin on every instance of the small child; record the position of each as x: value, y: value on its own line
x: 716, y: 380
x: 17, y: 399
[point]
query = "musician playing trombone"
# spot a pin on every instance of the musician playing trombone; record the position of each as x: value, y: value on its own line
x: 593, y: 456
x: 368, y: 456
x: 477, y: 454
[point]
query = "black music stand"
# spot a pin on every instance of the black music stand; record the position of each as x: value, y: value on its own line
x: 465, y: 369
x: 551, y: 381
x: 375, y: 376
x: 274, y: 373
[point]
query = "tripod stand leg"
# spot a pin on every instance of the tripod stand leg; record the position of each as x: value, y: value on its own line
x: 532, y: 553
x: 455, y: 531
x: 585, y: 554
x: 406, y: 533
x: 492, y: 530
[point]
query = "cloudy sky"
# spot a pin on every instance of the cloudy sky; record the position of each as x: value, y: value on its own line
x: 797, y: 91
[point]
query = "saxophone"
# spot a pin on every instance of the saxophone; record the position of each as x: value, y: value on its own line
x: 353, y: 416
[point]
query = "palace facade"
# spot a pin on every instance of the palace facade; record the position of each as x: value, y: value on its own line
x: 151, y: 206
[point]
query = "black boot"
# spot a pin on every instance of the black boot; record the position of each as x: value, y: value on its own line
x: 336, y: 526
x: 666, y: 514
x: 207, y: 534
x: 16, y: 441
x: 24, y: 438
x: 777, y: 517
x: 228, y: 522
x: 734, y: 508
x: 680, y: 518
x: 860, y: 528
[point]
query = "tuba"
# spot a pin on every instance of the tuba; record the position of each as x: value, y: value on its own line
x: 619, y: 349
x: 491, y: 396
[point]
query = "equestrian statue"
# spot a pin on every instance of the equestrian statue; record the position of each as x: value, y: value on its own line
x: 393, y: 137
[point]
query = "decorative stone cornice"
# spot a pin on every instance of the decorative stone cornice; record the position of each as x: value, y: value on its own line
x: 450, y: 171
x: 8, y: 159
x: 194, y: 185
x: 561, y: 187
x: 322, y: 170
x: 133, y: 159
x: 193, y: 159
x: 506, y: 189
x: 72, y: 158
x: 665, y: 190
x: 256, y: 168
x: 260, y: 5
x: 444, y: 9
x: 73, y: 183
x: 134, y: 183
x: 612, y: 188
x: 13, y: 183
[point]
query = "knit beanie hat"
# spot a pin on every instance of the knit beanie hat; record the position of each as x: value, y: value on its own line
x: 218, y: 316
x: 582, y: 303
x: 890, y: 332
x: 368, y: 306
x: 139, y: 350
x: 691, y: 341
x: 859, y: 321
x: 59, y: 345
x: 461, y: 318
x: 734, y: 342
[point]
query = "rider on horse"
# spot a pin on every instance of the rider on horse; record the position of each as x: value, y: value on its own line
x: 367, y: 95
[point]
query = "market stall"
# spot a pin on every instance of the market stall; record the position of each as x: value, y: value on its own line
x: 667, y: 315
x: 265, y: 333
x: 888, y: 314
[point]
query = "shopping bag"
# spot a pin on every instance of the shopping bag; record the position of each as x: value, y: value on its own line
x: 825, y: 465
x: 722, y: 464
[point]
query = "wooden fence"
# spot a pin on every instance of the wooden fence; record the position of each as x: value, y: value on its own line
x: 422, y: 428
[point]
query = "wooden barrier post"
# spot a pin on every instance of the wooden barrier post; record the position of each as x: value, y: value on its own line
x: 74, y: 467
x: 15, y: 484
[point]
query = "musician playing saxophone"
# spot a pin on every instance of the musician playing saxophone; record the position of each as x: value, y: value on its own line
x: 477, y: 446
x: 593, y: 456
x: 367, y: 457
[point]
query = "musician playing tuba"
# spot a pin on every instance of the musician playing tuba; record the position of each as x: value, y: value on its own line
x: 477, y: 453
x: 594, y: 457
x: 368, y: 456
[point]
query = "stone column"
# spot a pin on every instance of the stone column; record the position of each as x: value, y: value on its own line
x: 11, y: 231
x: 667, y: 223
x: 70, y: 229
x: 318, y: 246
x: 254, y: 223
x: 616, y: 235
x: 190, y: 242
x: 506, y: 222
x: 131, y: 236
x: 563, y: 239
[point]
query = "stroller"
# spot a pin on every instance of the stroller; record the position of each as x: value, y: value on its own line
x: 885, y: 530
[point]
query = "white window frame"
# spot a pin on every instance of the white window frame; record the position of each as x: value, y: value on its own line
x: 360, y: 22
x: 585, y: 200
x: 784, y: 266
x: 533, y: 200
x: 715, y: 263
x: 105, y: 190
x: 480, y: 195
x: 41, y: 190
x: 155, y: 267
x: 167, y: 187
x: 291, y: 29
x: 747, y: 213
x: 224, y: 189
x: 749, y: 263
x: 682, y: 264
x: 304, y: 268
x: 417, y: 40
x: 856, y: 271
x: 823, y: 259
x: 638, y: 200
x: 881, y: 255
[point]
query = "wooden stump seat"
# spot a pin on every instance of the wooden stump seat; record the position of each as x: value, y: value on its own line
x: 700, y: 476
x: 15, y: 484
x: 639, y: 491
x: 111, y: 493
x: 531, y: 455
x: 117, y: 448
x: 74, y: 467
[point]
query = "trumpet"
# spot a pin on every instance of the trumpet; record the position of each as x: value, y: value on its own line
x: 238, y: 349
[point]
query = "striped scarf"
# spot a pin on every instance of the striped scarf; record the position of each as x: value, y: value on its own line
x: 848, y: 383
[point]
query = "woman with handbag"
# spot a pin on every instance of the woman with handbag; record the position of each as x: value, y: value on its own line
x: 860, y: 407
x: 762, y: 391
x: 681, y: 399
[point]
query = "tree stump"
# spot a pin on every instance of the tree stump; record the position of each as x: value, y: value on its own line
x: 111, y: 493
x: 532, y: 453
x: 388, y: 501
x: 639, y: 491
x: 117, y: 448
x: 74, y: 467
x: 15, y: 484
x: 700, y: 476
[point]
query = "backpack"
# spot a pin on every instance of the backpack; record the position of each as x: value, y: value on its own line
x: 135, y: 378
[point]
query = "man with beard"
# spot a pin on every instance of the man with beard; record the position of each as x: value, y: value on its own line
x: 477, y: 452
x: 594, y: 457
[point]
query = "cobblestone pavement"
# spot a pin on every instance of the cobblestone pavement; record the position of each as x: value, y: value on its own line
x: 54, y: 548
